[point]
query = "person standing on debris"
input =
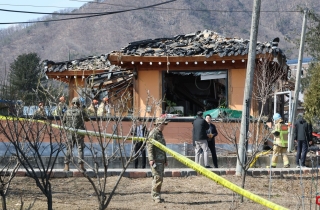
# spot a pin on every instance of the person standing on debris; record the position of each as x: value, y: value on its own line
x: 139, y: 130
x: 61, y: 107
x: 40, y: 111
x: 74, y: 119
x: 302, y: 137
x: 157, y: 159
x: 280, y: 142
x: 199, y: 136
x: 92, y: 109
x: 212, y: 133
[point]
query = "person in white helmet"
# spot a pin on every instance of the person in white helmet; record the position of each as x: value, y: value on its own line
x: 280, y: 142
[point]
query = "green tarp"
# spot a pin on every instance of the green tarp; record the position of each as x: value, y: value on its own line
x: 223, y: 113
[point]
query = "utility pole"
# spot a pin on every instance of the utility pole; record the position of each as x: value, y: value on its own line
x: 298, y: 75
x: 248, y: 87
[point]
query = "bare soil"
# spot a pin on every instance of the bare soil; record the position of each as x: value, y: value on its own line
x: 195, y: 192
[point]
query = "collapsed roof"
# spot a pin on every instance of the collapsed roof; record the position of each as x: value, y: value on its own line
x: 204, y: 43
x: 201, y: 43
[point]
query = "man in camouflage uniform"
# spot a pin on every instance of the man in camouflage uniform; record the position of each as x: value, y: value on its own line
x: 157, y: 159
x: 74, y: 118
x: 92, y: 109
x: 101, y: 112
x: 40, y: 113
x: 61, y: 107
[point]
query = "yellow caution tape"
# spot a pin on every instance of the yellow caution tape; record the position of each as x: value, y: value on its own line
x: 257, y: 156
x: 216, y: 178
x: 186, y: 161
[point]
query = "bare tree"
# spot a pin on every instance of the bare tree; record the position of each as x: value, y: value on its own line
x: 119, y: 140
x: 31, y: 140
x: 269, y: 78
x: 229, y: 129
x: 8, y: 168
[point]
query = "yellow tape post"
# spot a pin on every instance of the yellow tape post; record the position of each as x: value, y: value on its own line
x: 186, y: 161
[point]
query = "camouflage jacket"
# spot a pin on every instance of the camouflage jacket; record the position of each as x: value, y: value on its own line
x: 75, y: 117
x: 91, y: 110
x: 154, y: 153
x: 101, y: 110
x: 61, y: 109
x: 40, y: 112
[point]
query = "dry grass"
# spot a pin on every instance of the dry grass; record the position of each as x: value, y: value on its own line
x: 195, y: 192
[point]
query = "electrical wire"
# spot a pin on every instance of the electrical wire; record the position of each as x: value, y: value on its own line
x: 182, y: 9
x: 50, y: 13
x: 88, y: 16
x: 28, y: 5
x: 134, y: 7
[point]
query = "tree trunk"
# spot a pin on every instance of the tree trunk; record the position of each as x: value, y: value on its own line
x: 243, y: 182
x: 3, y: 198
x: 49, y: 198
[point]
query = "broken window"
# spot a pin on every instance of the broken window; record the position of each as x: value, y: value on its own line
x: 187, y: 92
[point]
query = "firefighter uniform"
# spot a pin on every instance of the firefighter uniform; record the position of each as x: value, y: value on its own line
x: 280, y: 143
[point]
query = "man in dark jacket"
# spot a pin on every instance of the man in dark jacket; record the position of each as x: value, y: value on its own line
x: 199, y: 136
x: 212, y: 133
x: 139, y: 130
x: 302, y: 136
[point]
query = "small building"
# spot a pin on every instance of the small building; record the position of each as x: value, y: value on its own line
x: 185, y: 73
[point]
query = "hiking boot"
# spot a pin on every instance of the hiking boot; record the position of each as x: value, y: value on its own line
x: 158, y: 200
x: 66, y: 167
x: 208, y: 167
x: 287, y: 166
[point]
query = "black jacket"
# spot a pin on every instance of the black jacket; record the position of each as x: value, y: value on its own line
x: 135, y: 131
x: 212, y: 129
x: 302, y: 130
x: 200, y: 127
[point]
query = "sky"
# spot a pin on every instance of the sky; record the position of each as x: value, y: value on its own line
x: 33, y: 6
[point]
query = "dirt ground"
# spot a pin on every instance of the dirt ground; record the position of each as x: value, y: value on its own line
x: 195, y: 192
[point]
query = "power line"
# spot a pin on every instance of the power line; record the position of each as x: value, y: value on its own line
x: 49, y: 13
x: 134, y: 7
x: 28, y: 5
x: 93, y: 15
x: 183, y: 9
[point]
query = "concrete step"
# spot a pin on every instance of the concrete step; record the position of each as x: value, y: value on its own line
x: 173, y: 172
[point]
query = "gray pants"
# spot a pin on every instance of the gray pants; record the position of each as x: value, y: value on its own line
x: 201, y: 144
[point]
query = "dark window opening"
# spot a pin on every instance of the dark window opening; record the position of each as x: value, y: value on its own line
x: 185, y: 93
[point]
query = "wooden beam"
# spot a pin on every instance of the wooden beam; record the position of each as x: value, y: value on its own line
x: 188, y: 67
x: 116, y: 58
x: 85, y: 73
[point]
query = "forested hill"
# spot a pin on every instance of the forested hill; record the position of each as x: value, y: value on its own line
x: 97, y: 35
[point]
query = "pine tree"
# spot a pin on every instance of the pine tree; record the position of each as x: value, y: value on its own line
x: 24, y: 77
x: 312, y: 45
x: 310, y: 84
x: 312, y: 95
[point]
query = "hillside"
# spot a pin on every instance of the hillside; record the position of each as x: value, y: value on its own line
x: 99, y: 35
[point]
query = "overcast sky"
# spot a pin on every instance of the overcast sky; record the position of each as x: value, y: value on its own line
x: 33, y: 6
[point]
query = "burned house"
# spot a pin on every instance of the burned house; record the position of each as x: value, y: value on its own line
x: 190, y: 72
